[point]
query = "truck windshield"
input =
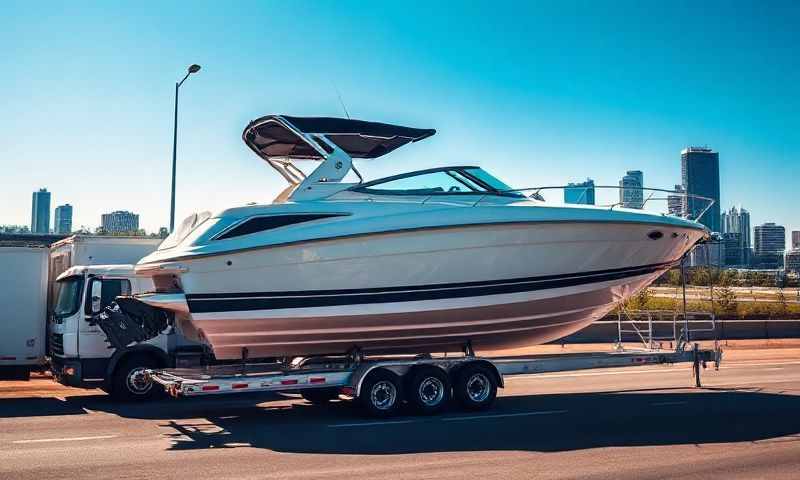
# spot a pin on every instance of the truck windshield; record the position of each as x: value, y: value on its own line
x: 68, y: 299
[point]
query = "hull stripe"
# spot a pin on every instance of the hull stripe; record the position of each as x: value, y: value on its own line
x: 227, y: 302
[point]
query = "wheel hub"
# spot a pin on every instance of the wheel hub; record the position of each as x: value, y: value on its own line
x: 431, y: 391
x: 138, y: 382
x: 478, y: 387
x: 383, y: 395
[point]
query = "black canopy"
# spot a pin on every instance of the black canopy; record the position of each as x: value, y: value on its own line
x: 272, y: 136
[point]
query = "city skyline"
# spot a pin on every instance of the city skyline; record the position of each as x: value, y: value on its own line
x: 549, y: 101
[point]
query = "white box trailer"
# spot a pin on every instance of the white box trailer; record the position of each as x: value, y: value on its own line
x: 24, y: 309
x: 87, y: 250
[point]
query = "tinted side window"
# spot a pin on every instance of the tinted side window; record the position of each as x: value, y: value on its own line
x: 259, y: 224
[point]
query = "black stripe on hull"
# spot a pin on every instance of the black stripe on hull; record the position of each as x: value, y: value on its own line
x: 222, y: 302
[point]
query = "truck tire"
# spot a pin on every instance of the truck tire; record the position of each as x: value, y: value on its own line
x: 428, y: 389
x: 129, y: 383
x: 475, y: 387
x: 319, y: 396
x: 381, y: 393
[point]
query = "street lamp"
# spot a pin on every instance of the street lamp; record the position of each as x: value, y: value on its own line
x: 194, y: 68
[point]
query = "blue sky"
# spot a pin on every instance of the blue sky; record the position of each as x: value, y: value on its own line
x: 538, y: 93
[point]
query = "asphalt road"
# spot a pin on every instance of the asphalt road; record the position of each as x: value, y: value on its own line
x: 637, y: 423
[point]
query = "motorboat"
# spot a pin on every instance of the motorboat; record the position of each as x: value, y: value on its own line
x: 426, y: 261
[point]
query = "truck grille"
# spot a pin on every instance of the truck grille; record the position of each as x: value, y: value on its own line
x: 57, y: 344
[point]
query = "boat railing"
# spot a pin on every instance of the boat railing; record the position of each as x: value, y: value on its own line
x: 678, y: 203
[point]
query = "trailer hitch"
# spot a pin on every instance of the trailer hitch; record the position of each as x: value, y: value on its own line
x: 128, y: 320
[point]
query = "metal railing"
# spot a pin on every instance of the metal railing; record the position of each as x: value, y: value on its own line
x: 680, y: 204
x: 641, y: 325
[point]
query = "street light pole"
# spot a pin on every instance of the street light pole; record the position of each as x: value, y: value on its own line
x: 192, y: 69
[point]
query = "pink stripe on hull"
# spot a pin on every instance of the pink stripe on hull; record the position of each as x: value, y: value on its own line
x: 490, y: 327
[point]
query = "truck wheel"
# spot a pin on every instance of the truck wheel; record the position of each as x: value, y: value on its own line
x: 428, y: 390
x: 475, y: 387
x: 129, y: 383
x: 320, y: 396
x: 381, y: 393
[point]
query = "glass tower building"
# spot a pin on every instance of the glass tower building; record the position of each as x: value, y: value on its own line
x: 700, y: 176
x: 40, y: 212
x: 62, y: 223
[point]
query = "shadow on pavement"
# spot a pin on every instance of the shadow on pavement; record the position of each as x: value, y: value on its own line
x: 544, y: 423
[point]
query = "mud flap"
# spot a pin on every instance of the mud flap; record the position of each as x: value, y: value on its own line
x: 128, y: 321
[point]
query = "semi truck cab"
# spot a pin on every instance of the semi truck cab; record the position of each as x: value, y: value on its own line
x: 79, y: 353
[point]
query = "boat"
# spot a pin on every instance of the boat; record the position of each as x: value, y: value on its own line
x: 434, y: 260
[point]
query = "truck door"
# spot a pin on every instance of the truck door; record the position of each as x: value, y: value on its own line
x: 100, y: 292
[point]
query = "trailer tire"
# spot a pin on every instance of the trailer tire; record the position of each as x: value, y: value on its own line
x: 428, y: 389
x: 128, y: 383
x: 475, y: 387
x: 320, y: 396
x: 381, y: 393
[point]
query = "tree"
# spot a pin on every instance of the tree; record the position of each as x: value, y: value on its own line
x: 726, y: 299
x: 783, y: 308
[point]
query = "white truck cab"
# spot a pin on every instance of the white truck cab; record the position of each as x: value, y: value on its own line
x: 80, y: 355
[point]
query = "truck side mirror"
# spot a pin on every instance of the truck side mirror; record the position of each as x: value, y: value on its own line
x: 96, y: 296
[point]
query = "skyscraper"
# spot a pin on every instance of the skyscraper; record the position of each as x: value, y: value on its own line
x: 675, y: 202
x: 40, y: 211
x: 700, y: 176
x: 770, y: 242
x: 630, y: 193
x: 62, y: 222
x: 582, y: 193
x: 120, y: 222
x: 795, y: 239
x: 737, y: 220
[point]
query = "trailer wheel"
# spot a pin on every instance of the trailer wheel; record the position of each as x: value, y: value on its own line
x: 428, y: 389
x: 129, y: 383
x: 475, y: 387
x: 319, y: 396
x: 381, y: 393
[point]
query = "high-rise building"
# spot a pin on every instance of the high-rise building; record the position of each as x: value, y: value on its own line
x: 700, y: 176
x: 62, y: 223
x: 675, y: 204
x: 769, y: 239
x: 795, y: 239
x: 737, y: 221
x: 732, y: 245
x: 120, y: 222
x: 40, y: 211
x: 630, y: 193
x: 770, y: 242
x: 582, y: 193
x: 793, y: 261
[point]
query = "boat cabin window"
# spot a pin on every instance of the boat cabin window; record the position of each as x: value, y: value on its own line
x: 445, y: 181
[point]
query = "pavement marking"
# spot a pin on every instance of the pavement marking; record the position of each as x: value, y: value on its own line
x: 369, y: 424
x: 666, y: 404
x: 500, y: 415
x: 66, y: 439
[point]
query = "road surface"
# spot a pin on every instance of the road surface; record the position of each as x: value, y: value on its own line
x: 640, y: 423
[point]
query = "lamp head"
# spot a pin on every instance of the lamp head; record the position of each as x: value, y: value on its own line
x: 194, y: 68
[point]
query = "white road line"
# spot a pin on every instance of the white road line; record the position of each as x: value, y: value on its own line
x: 501, y: 415
x: 665, y: 404
x: 369, y: 424
x: 67, y: 439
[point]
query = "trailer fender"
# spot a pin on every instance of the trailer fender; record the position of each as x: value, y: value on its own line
x: 121, y: 354
x: 486, y: 363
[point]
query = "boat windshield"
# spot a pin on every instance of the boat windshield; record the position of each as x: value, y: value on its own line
x: 441, y: 181
x: 187, y: 226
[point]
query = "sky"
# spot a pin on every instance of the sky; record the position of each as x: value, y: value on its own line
x: 538, y: 93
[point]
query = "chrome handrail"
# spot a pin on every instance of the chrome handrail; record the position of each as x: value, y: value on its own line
x: 683, y: 195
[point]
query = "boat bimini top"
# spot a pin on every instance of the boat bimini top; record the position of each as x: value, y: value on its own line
x: 280, y: 139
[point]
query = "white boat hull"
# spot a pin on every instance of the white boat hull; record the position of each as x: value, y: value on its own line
x: 425, y: 290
